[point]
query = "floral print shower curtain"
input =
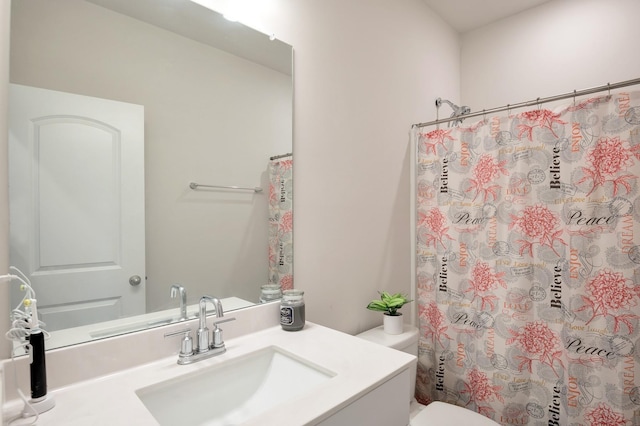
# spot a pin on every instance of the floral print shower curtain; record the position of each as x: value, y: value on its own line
x: 281, y: 222
x: 528, y: 264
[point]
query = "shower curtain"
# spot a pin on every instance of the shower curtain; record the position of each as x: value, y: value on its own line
x: 528, y: 264
x: 281, y: 222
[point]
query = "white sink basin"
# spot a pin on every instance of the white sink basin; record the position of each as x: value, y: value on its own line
x: 234, y: 391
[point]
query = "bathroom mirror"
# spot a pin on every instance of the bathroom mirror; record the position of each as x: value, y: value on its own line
x: 216, y: 98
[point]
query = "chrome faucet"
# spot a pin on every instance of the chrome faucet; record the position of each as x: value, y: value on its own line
x: 176, y: 290
x: 203, y: 331
x: 204, y: 349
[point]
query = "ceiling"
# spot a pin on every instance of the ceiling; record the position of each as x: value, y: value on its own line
x: 189, y: 19
x: 467, y: 15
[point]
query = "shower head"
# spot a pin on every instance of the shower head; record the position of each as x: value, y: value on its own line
x: 458, y: 111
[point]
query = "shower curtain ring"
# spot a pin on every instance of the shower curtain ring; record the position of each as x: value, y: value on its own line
x: 609, y: 88
x: 538, y: 102
x: 484, y: 115
x: 508, y: 110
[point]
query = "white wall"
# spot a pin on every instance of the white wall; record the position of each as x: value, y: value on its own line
x: 555, y: 48
x: 210, y: 117
x: 364, y: 71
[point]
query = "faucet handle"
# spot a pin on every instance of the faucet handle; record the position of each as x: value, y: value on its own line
x: 186, y: 346
x: 217, y: 333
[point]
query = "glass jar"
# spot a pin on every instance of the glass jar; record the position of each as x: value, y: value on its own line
x: 270, y: 292
x: 292, y: 310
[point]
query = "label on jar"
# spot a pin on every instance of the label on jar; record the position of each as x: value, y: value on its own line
x: 286, y: 315
x: 292, y: 317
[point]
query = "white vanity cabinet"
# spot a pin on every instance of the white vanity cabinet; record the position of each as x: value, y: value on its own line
x: 385, y: 405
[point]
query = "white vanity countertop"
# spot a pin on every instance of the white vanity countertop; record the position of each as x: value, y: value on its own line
x: 359, y: 367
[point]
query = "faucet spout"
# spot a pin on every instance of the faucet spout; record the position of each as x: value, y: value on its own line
x: 176, y: 290
x: 203, y: 331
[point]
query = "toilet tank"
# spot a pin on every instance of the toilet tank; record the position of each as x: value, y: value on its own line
x: 407, y: 342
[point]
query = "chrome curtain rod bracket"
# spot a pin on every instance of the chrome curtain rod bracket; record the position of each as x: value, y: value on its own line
x: 608, y: 87
x: 194, y: 186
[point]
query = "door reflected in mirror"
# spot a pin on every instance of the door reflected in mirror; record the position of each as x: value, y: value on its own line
x: 210, y: 115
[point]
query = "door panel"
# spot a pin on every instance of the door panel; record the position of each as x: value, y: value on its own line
x: 76, y: 231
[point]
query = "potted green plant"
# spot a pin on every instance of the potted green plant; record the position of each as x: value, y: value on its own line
x: 389, y: 304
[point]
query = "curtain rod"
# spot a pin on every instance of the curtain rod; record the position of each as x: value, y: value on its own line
x: 538, y: 101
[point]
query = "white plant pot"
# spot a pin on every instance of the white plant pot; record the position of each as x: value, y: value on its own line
x: 393, y: 324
